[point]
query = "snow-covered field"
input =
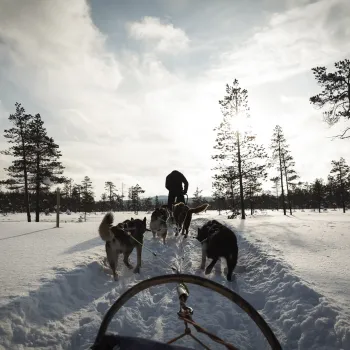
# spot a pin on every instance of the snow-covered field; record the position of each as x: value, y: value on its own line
x: 295, y: 271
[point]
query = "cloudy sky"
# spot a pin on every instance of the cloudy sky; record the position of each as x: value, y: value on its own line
x: 129, y: 89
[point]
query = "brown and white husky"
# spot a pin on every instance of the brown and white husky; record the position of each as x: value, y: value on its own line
x: 183, y: 215
x: 162, y: 220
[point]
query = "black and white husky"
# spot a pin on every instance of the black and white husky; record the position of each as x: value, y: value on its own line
x: 218, y: 241
x: 162, y: 220
x: 122, y: 239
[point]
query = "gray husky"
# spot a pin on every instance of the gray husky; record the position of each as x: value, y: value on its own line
x: 122, y: 239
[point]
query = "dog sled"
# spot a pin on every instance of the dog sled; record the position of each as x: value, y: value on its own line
x: 109, y: 341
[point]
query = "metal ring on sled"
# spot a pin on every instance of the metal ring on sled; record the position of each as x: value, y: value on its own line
x: 191, y: 279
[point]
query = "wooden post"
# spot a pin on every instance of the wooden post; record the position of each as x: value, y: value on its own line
x: 58, y: 208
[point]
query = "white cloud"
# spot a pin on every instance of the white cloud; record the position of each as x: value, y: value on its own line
x: 292, y: 42
x: 167, y: 38
x: 116, y: 117
x: 291, y: 99
x: 56, y: 55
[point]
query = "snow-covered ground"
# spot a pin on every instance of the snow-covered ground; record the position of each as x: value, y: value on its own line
x: 54, y: 290
x: 316, y: 245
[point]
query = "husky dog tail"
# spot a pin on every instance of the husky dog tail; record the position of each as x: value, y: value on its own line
x: 104, y: 228
x: 198, y: 209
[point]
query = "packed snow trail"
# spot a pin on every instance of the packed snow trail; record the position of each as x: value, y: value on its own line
x: 65, y: 312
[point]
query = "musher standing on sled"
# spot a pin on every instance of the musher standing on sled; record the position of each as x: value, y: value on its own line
x: 173, y: 183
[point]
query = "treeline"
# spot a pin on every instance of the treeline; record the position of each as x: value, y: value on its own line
x: 319, y: 194
x: 243, y: 164
x: 36, y: 167
x: 78, y: 198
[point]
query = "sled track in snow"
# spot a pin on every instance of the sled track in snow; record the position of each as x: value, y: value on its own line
x: 65, y: 313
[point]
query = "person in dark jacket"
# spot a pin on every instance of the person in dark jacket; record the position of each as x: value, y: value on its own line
x: 173, y: 184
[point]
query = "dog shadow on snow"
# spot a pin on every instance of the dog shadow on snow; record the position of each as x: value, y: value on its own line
x: 69, y: 292
x: 218, y: 275
x: 86, y: 245
x: 88, y: 287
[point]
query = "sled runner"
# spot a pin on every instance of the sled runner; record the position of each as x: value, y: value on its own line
x: 105, y: 341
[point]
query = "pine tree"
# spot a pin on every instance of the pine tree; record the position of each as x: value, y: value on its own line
x: 147, y: 204
x: 87, y: 195
x: 121, y: 199
x: 300, y: 195
x: 111, y: 190
x: 76, y: 197
x: 103, y: 200
x: 134, y: 196
x: 335, y: 95
x: 290, y: 174
x: 157, y: 203
x: 253, y: 187
x: 197, y: 198
x: 19, y: 137
x: 68, y: 192
x: 278, y: 146
x: 225, y: 185
x: 130, y: 196
x: 119, y: 202
x: 276, y: 181
x: 44, y: 162
x: 319, y: 191
x: 219, y: 200
x: 234, y: 104
x: 341, y: 175
x: 307, y: 190
x: 237, y: 149
x: 330, y: 192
